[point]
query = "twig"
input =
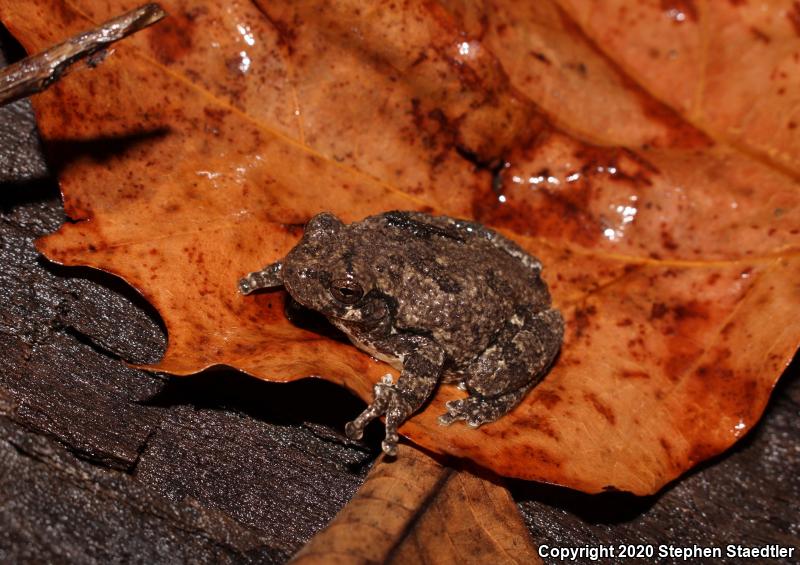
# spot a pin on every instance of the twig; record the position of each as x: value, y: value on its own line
x: 37, y: 72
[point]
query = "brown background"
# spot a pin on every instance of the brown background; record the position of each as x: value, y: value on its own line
x: 100, y: 462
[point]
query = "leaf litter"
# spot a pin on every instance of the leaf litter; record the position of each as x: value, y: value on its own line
x: 664, y: 215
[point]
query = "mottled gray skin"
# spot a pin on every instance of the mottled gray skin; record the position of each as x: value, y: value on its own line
x: 440, y: 299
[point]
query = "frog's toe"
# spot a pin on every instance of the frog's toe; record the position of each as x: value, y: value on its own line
x: 476, y: 421
x: 389, y: 445
x: 471, y: 409
x: 353, y: 430
x: 397, y: 413
x: 446, y: 419
x: 455, y: 411
x: 454, y: 406
x: 246, y: 286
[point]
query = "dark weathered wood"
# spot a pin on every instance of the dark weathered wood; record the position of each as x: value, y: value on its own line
x: 100, y: 462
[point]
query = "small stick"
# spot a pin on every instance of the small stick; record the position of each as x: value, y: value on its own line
x: 37, y: 72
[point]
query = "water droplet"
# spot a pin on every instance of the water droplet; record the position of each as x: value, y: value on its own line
x: 244, y: 65
x: 676, y: 15
x: 246, y: 34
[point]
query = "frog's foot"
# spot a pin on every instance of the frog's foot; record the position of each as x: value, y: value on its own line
x: 389, y: 401
x: 384, y: 391
x: 479, y: 410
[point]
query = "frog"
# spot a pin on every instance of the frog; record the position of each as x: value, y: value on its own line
x: 440, y: 299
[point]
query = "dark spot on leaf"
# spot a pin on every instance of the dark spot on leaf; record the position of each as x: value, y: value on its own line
x: 604, y: 410
x: 547, y: 397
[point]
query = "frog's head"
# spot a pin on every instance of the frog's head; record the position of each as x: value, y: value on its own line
x: 323, y: 272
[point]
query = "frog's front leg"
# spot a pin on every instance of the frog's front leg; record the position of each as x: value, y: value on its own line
x: 268, y: 277
x: 423, y: 361
x: 501, y: 376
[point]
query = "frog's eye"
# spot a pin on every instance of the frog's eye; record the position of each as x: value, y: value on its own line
x: 346, y: 291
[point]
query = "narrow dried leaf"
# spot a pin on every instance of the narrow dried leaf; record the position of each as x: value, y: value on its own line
x: 35, y: 73
x: 196, y: 152
x: 414, y: 510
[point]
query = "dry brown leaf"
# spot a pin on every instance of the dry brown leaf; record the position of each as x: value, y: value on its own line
x: 194, y: 153
x: 414, y: 510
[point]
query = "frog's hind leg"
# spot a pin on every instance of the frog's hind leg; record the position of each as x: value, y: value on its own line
x: 423, y: 360
x: 501, y: 376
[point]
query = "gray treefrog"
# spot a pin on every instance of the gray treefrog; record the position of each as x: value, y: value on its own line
x: 439, y: 299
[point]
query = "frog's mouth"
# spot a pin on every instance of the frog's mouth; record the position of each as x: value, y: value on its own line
x: 311, y: 289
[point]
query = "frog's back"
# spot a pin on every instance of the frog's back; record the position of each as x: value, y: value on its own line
x: 453, y: 279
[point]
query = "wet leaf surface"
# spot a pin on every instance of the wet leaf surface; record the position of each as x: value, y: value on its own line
x: 668, y: 229
x: 728, y: 67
